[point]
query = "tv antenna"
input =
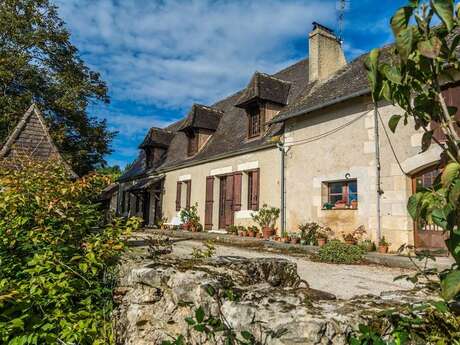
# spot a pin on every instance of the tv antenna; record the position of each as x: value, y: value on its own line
x: 342, y: 7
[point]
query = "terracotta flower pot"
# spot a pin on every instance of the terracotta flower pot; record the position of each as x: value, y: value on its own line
x: 251, y: 234
x: 186, y: 226
x: 295, y: 240
x: 285, y: 239
x: 277, y: 239
x: 383, y: 249
x: 241, y: 233
x: 259, y: 235
x: 267, y: 232
x: 321, y: 241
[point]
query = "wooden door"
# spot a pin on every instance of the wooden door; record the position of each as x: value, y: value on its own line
x: 427, y: 236
x: 146, y: 208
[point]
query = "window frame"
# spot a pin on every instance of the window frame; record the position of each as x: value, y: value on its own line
x: 251, y: 113
x: 345, y: 194
x: 251, y: 188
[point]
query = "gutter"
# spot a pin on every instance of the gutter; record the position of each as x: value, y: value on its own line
x: 324, y: 105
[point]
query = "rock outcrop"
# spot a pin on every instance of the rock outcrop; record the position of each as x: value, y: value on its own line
x: 257, y: 295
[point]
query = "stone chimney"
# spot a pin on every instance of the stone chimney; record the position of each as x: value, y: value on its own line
x: 325, y: 53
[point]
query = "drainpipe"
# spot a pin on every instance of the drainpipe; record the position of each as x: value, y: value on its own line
x: 377, y: 169
x: 282, y: 208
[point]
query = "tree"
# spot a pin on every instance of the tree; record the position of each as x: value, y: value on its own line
x: 422, y: 62
x: 38, y: 63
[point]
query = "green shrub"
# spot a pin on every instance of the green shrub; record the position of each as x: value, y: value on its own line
x: 340, y: 253
x: 57, y: 258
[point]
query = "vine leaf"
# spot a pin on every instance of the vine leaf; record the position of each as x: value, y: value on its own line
x: 445, y: 10
x: 450, y: 285
x: 393, y: 122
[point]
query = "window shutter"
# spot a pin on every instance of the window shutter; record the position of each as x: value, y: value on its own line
x: 237, y: 178
x: 189, y: 193
x: 229, y: 201
x: 255, y: 190
x: 209, y: 202
x: 178, y: 195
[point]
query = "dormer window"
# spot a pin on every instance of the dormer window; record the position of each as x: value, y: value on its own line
x: 155, y: 146
x: 192, y: 144
x: 199, y: 125
x: 254, y: 121
x: 263, y: 99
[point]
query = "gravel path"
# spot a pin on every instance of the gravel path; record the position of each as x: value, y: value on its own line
x: 344, y: 281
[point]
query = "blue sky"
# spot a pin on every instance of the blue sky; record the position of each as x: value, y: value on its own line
x: 160, y: 57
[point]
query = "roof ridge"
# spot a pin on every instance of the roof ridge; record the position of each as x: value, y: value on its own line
x: 272, y: 77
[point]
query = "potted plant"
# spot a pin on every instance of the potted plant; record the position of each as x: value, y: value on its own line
x: 295, y: 238
x: 251, y: 232
x: 308, y: 233
x: 368, y: 245
x: 322, y: 235
x: 355, y: 236
x: 242, y: 231
x: 190, y: 219
x: 232, y: 230
x: 354, y: 204
x: 383, y: 245
x: 266, y: 217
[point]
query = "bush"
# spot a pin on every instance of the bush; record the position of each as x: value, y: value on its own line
x: 337, y: 252
x: 57, y: 258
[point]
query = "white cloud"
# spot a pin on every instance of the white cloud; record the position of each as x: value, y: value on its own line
x: 172, y: 53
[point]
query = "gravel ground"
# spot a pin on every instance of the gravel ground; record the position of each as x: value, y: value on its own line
x: 344, y: 281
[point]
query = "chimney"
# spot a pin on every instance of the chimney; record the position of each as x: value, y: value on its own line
x: 325, y: 53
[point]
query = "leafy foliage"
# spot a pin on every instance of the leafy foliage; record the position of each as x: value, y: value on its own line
x: 337, y: 252
x: 425, y: 57
x: 56, y: 257
x: 266, y: 216
x: 208, y: 252
x: 39, y: 64
x: 189, y: 216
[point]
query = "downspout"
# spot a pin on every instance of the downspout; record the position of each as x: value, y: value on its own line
x: 377, y: 170
x: 282, y: 182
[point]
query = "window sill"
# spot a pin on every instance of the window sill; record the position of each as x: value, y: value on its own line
x: 340, y: 209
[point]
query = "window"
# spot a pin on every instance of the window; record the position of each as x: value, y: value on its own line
x: 426, y: 180
x: 342, y: 194
x: 254, y: 121
x: 192, y: 144
x: 253, y: 190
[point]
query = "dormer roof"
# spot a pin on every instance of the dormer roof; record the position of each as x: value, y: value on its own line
x: 157, y: 137
x: 202, y: 117
x: 266, y: 88
x: 31, y: 139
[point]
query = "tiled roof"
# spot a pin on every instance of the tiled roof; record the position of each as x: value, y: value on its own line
x: 201, y: 116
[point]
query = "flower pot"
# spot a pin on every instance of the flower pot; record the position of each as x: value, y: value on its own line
x: 241, y: 233
x: 259, y: 235
x: 354, y: 204
x: 295, y: 240
x: 186, y: 226
x: 251, y: 234
x: 383, y: 249
x: 277, y: 238
x: 268, y: 232
x: 285, y: 239
x: 321, y: 241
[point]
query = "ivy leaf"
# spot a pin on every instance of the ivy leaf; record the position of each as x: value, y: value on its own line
x: 450, y: 173
x: 412, y: 204
x: 392, y: 74
x: 439, y: 218
x: 430, y: 48
x: 445, y: 10
x: 454, y: 194
x: 426, y: 140
x: 450, y: 285
x: 393, y: 122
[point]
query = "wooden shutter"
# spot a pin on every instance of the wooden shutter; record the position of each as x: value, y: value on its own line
x: 189, y: 193
x: 255, y: 190
x: 178, y: 195
x: 229, y: 201
x: 209, y: 202
x: 237, y: 178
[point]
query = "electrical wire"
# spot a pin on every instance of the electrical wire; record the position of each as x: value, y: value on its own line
x: 391, y: 144
x: 325, y: 134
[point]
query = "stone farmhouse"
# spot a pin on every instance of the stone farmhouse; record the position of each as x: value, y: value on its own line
x: 309, y: 131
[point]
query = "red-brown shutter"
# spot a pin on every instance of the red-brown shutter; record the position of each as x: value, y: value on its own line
x: 178, y: 195
x: 255, y: 190
x: 189, y: 194
x: 237, y: 178
x: 229, y: 201
x: 452, y: 99
x: 209, y: 202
